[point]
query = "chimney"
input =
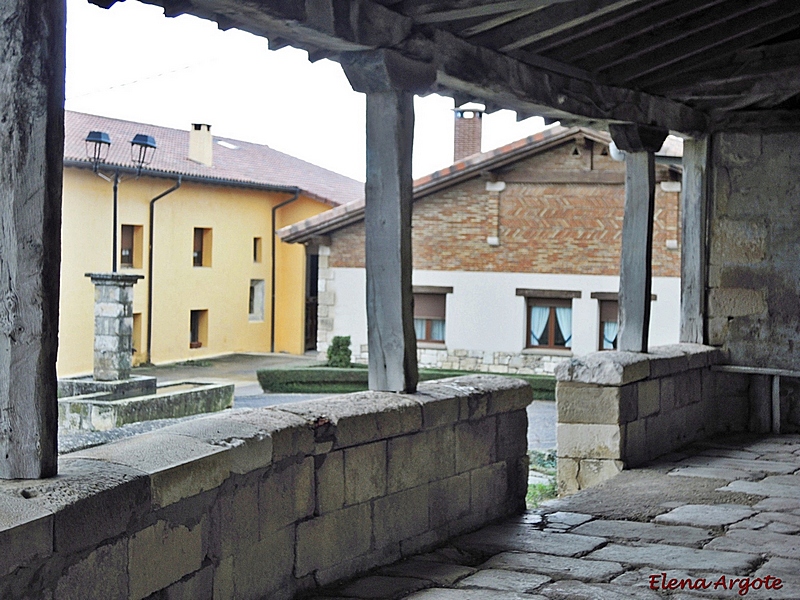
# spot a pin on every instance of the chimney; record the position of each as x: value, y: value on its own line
x: 469, y: 118
x: 201, y: 147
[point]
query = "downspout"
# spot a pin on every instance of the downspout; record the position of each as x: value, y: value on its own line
x: 272, y: 268
x: 114, y: 237
x: 150, y: 266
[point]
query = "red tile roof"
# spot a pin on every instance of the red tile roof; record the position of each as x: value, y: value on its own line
x: 237, y: 162
x: 466, y: 168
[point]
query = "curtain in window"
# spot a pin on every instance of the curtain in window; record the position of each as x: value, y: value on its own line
x: 539, y: 318
x: 564, y: 318
x: 437, y: 330
x: 419, y: 328
x: 610, y: 329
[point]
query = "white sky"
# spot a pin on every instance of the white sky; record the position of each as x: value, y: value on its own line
x: 130, y: 62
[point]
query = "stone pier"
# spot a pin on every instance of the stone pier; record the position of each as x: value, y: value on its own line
x: 113, y: 324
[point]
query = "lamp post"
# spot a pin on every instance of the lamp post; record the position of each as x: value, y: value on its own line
x: 98, y: 144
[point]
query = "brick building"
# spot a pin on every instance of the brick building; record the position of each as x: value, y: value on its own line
x: 516, y: 255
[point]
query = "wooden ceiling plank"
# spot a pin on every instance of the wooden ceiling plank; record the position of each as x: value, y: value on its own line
x: 440, y: 12
x: 489, y: 24
x: 641, y: 20
x: 699, y: 27
x: 498, y: 78
x: 701, y: 52
x: 549, y: 22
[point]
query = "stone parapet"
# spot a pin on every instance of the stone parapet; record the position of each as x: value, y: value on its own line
x: 620, y: 409
x: 272, y: 502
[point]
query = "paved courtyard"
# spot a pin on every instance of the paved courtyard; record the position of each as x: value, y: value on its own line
x: 719, y: 520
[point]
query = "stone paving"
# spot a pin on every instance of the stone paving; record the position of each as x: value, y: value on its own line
x: 718, y: 520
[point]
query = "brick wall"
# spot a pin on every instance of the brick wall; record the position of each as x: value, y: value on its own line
x: 571, y: 227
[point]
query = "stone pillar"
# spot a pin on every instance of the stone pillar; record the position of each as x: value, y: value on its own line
x: 640, y: 143
x: 389, y: 80
x: 31, y: 162
x: 113, y: 324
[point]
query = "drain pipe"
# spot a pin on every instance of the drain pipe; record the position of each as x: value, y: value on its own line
x: 150, y: 266
x: 272, y: 268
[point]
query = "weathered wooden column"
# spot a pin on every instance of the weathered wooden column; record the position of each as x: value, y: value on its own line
x: 32, y: 150
x: 640, y: 143
x: 389, y: 80
x: 693, y: 240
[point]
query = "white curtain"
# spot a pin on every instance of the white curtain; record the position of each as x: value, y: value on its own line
x: 610, y: 329
x: 539, y: 318
x: 419, y: 328
x: 437, y: 330
x: 564, y: 318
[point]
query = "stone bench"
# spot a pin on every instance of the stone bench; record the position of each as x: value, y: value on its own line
x: 270, y: 502
x: 621, y: 409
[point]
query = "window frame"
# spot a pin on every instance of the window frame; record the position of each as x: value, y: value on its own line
x: 552, y: 322
x: 430, y: 290
x: 130, y: 233
x: 201, y: 247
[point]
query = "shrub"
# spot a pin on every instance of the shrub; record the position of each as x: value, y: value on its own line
x: 339, y: 351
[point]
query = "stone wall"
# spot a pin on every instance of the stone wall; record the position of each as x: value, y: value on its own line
x: 754, y: 290
x: 621, y: 409
x: 270, y: 502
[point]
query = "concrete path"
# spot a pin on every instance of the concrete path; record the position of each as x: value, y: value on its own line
x: 720, y: 520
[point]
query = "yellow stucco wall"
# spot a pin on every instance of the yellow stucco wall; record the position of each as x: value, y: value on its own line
x: 236, y: 216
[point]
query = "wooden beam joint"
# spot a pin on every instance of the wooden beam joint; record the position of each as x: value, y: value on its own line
x: 385, y: 71
x: 634, y: 137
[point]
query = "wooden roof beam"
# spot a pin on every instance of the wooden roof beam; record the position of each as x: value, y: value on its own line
x: 454, y: 10
x: 483, y: 73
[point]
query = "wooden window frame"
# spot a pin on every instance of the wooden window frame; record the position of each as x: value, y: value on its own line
x: 130, y: 248
x: 552, y: 303
x: 432, y: 291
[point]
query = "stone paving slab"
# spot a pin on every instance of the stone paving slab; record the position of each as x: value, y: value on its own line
x: 577, y: 590
x: 449, y: 594
x: 717, y: 473
x: 499, y: 538
x: 556, y: 567
x: 645, y: 532
x: 761, y: 465
x: 768, y: 542
x: 509, y: 581
x: 381, y: 587
x: 705, y: 515
x: 436, y: 572
x: 677, y: 557
x: 759, y: 488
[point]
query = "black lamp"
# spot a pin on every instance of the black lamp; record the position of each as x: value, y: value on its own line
x: 142, y: 149
x: 97, y: 145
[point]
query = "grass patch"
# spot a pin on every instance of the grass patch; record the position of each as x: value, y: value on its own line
x: 539, y: 492
x: 543, y: 461
x: 332, y: 380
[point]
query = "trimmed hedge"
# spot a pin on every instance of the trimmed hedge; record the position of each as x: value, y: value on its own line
x: 324, y: 380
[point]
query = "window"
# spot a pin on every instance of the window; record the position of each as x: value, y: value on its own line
x: 198, y: 328
x: 256, y: 303
x: 130, y: 254
x: 429, y: 317
x: 548, y: 317
x: 549, y: 323
x: 609, y: 326
x: 257, y: 250
x: 201, y: 256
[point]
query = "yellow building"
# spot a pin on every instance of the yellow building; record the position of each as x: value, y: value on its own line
x: 209, y: 287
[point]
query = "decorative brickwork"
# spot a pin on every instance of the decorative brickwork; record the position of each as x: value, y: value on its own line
x: 573, y: 227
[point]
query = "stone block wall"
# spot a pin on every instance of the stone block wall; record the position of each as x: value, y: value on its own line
x: 621, y: 409
x: 271, y: 502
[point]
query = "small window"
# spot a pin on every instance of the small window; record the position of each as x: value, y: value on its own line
x: 201, y: 255
x: 257, y: 250
x: 609, y: 324
x: 549, y: 323
x: 130, y: 253
x: 256, y: 303
x: 429, y: 317
x: 198, y: 328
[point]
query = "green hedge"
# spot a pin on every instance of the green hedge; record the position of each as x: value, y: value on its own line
x: 333, y: 380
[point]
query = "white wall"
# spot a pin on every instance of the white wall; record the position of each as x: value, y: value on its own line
x: 484, y: 312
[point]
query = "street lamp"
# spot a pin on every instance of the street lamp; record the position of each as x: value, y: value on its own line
x: 98, y: 143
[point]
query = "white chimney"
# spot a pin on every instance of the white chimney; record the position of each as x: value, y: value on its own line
x: 201, y: 147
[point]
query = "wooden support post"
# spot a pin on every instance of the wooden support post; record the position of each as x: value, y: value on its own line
x: 32, y: 142
x: 389, y: 81
x: 640, y: 143
x: 693, y: 240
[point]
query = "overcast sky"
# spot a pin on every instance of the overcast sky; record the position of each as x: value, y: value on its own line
x: 130, y: 62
